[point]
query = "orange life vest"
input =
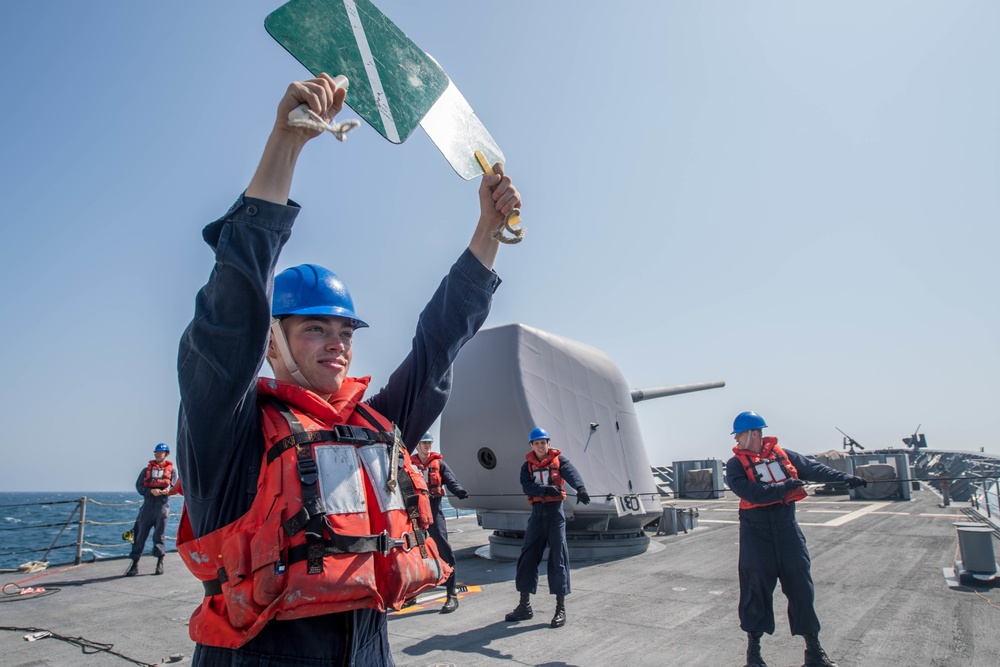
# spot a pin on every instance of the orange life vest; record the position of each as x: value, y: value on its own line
x: 158, y: 475
x: 431, y: 470
x: 338, y: 521
x: 770, y: 467
x: 546, y: 472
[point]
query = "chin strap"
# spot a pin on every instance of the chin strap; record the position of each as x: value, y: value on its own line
x: 285, y: 353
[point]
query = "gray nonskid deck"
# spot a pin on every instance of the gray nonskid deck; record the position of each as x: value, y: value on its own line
x: 881, y: 597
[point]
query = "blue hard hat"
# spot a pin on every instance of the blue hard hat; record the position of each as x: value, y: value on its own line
x: 162, y: 447
x: 538, y: 433
x: 427, y: 438
x: 308, y: 289
x: 746, y: 421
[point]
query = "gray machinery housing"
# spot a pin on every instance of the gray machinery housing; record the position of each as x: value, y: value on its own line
x: 510, y: 379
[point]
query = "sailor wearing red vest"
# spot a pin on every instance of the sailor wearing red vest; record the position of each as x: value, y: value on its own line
x: 544, y: 474
x: 155, y: 484
x: 768, y: 480
x: 439, y: 476
x: 304, y: 518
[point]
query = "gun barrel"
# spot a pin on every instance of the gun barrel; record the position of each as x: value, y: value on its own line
x: 660, y: 392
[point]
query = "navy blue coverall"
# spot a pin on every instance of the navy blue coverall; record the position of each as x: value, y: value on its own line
x: 773, y: 548
x: 546, y: 527
x: 153, y: 514
x: 219, y: 438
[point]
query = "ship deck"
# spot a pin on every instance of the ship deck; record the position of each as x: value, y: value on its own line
x: 879, y: 569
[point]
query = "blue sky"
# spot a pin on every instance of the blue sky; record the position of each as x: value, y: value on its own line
x: 800, y: 199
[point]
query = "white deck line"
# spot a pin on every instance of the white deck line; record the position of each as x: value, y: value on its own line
x: 856, y: 514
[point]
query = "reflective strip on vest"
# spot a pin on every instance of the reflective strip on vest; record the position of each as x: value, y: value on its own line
x: 341, y: 485
x: 376, y: 465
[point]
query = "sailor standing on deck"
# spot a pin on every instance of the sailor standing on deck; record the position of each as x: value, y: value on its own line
x: 543, y: 476
x: 768, y: 480
x: 439, y: 476
x: 156, y: 483
x: 303, y: 517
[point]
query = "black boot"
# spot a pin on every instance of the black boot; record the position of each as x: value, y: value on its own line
x: 815, y: 655
x: 522, y: 612
x: 133, y: 569
x: 754, y: 658
x: 451, y: 604
x: 559, y: 619
x: 159, y: 565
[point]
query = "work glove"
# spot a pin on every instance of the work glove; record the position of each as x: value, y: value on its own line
x: 855, y: 482
x: 582, y: 497
x: 554, y: 491
x: 792, y: 483
x: 462, y: 495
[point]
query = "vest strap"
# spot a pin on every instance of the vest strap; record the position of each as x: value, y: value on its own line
x: 410, y: 498
x: 338, y: 544
x: 343, y: 433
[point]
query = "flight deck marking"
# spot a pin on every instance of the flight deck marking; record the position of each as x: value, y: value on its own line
x: 856, y: 514
x: 424, y: 600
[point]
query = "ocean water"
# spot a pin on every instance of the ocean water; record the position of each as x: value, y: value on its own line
x: 30, y: 524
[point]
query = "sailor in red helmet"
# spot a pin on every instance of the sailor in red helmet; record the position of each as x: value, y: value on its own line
x: 769, y: 479
x: 305, y: 520
x: 544, y: 475
x: 155, y: 484
x: 439, y: 477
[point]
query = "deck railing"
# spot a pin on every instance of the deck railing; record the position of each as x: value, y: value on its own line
x: 77, y: 518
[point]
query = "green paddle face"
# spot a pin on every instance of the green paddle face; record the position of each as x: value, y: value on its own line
x: 393, y: 83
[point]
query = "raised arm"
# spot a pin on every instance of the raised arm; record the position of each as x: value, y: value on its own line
x: 222, y: 350
x: 497, y: 198
x: 418, y: 389
x: 273, y: 179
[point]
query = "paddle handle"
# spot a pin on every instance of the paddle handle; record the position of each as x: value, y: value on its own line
x: 514, y: 218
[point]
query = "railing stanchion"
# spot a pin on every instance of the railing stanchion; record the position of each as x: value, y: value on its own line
x: 79, y: 533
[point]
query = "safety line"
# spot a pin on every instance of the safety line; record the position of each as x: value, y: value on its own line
x: 381, y: 101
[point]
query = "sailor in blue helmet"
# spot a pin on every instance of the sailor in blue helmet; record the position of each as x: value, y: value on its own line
x: 307, y: 334
x: 439, y: 477
x: 769, y: 480
x: 156, y: 482
x: 544, y: 475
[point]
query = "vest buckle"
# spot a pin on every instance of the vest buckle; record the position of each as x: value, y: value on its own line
x: 308, y: 470
x: 386, y: 543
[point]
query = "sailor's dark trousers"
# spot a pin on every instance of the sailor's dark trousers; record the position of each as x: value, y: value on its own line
x: 546, y: 527
x: 439, y: 531
x: 772, y: 549
x: 153, y: 514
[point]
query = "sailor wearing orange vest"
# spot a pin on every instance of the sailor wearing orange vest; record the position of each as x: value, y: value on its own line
x: 544, y: 474
x: 768, y: 481
x: 304, y: 519
x: 155, y: 484
x: 439, y: 476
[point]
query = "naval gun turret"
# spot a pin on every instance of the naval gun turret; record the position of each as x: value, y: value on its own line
x: 512, y: 378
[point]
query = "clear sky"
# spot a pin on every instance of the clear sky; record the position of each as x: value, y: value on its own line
x: 801, y: 199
